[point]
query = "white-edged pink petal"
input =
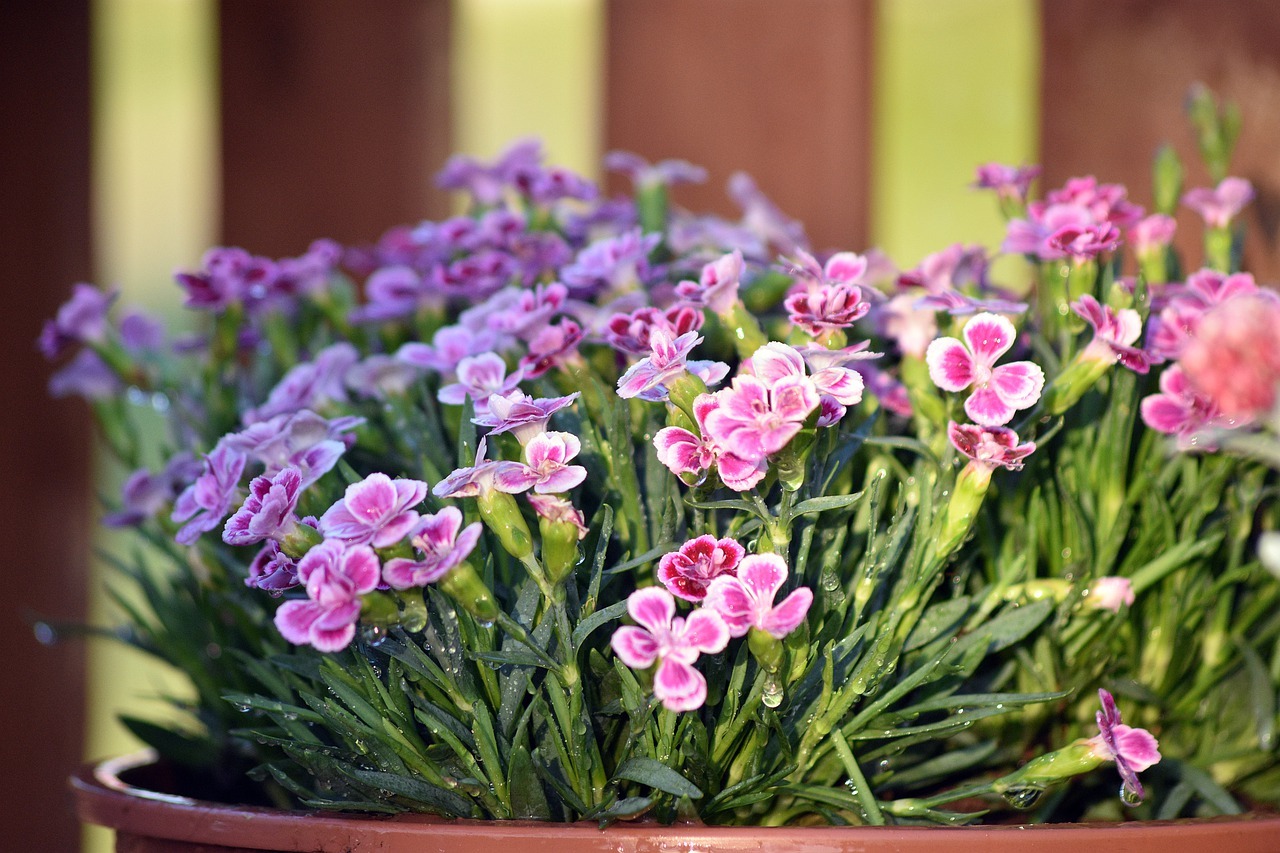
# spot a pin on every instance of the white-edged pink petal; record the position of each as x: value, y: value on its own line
x: 635, y: 647
x: 989, y: 336
x: 705, y: 631
x: 679, y: 686
x: 985, y: 406
x: 787, y: 616
x: 652, y: 607
x: 951, y: 366
x: 1019, y: 383
x: 775, y: 361
x: 763, y: 575
x: 729, y: 598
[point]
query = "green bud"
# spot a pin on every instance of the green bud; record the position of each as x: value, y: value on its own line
x: 966, y: 500
x: 683, y: 390
x: 766, y: 649
x: 559, y: 548
x: 1074, y: 759
x: 379, y: 608
x: 301, y: 539
x: 465, y: 587
x: 1166, y: 184
x: 1080, y: 375
x: 744, y: 329
x: 502, y: 516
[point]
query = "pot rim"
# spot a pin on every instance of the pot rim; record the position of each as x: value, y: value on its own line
x: 103, y: 798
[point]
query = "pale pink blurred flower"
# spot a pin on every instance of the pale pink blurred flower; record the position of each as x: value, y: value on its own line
x: 1218, y: 206
x: 1234, y: 356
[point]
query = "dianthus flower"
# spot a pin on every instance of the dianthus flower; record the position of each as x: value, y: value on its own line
x: 267, y: 513
x: 839, y: 386
x: 374, y: 511
x: 989, y: 447
x: 521, y: 415
x: 1114, y: 333
x: 674, y: 642
x: 1218, y: 206
x: 309, y: 384
x: 684, y: 452
x: 668, y: 359
x: 686, y: 572
x: 632, y: 333
x: 204, y: 503
x: 645, y: 174
x: 717, y: 286
x: 1009, y: 182
x: 443, y: 542
x: 745, y: 600
x: 485, y: 476
x: 998, y: 391
x: 1133, y: 750
x: 81, y: 319
x: 480, y: 377
x: 548, y: 456
x: 827, y: 297
x: 1180, y: 410
x: 553, y: 346
x: 335, y: 576
x: 755, y: 419
x: 1234, y: 356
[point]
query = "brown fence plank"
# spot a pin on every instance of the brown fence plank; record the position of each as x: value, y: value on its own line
x: 1115, y: 76
x: 780, y: 90
x: 44, y: 463
x: 334, y: 118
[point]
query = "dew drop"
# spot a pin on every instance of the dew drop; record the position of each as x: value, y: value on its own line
x: 1023, y: 797
x: 1130, y: 795
x: 772, y: 693
x: 46, y: 634
x: 373, y: 634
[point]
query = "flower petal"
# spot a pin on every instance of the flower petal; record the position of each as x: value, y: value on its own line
x: 635, y: 647
x: 1137, y: 746
x: 705, y: 631
x: 951, y: 366
x: 986, y: 407
x: 1019, y: 384
x: 989, y: 336
x: 653, y: 608
x: 788, y: 615
x: 679, y: 686
x: 727, y: 597
x: 763, y: 575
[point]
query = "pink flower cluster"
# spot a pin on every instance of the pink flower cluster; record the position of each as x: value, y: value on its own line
x: 1080, y: 220
x: 737, y: 594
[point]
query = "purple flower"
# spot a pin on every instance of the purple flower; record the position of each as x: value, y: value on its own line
x: 309, y: 384
x: 486, y: 182
x: 267, y: 513
x: 989, y: 447
x: 381, y: 376
x: 673, y: 642
x: 86, y: 375
x: 1220, y: 205
x: 1133, y: 750
x: 486, y: 475
x: 272, y: 570
x: 663, y: 173
x: 763, y: 218
x: 303, y: 440
x: 335, y: 575
x: 687, y: 572
x: 717, y: 286
x: 480, y: 377
x: 443, y: 542
x: 229, y: 276
x: 374, y: 511
x: 745, y: 601
x: 204, y: 503
x: 392, y: 293
x: 448, y: 347
x: 998, y: 391
x: 548, y: 455
x: 1114, y: 333
x: 1178, y: 320
x: 553, y: 346
x: 953, y: 267
x: 1183, y: 411
x: 650, y: 377
x: 611, y: 263
x: 547, y: 184
x: 144, y: 494
x: 521, y: 415
x: 81, y: 319
x: 684, y: 452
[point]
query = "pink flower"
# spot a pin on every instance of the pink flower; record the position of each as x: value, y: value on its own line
x: 717, y: 287
x: 908, y: 324
x: 1085, y: 241
x: 827, y: 297
x: 838, y: 386
x: 448, y: 347
x: 486, y: 475
x: 1234, y: 356
x: 673, y: 642
x: 1152, y: 234
x: 754, y: 420
x: 374, y: 511
x: 686, y: 573
x: 521, y: 415
x: 668, y: 360
x: 632, y: 333
x: 686, y: 453
x: 556, y: 509
x: 335, y: 577
x: 1114, y: 333
x: 1133, y: 750
x: 1179, y: 319
x: 949, y: 269
x: 1110, y: 593
x: 1182, y: 411
x: 548, y: 456
x: 204, y: 503
x: 1010, y: 182
x: 1220, y: 205
x: 442, y: 545
x: 998, y: 391
x: 553, y: 346
x: 745, y: 601
x: 480, y: 377
x: 268, y: 511
x: 989, y: 447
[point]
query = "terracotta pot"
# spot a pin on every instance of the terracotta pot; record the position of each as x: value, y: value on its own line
x: 150, y: 822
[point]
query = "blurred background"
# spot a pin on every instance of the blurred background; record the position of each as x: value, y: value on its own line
x: 139, y: 132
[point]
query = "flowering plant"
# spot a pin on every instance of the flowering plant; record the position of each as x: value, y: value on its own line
x: 576, y: 507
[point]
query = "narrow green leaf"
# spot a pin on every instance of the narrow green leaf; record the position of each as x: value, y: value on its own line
x: 656, y: 775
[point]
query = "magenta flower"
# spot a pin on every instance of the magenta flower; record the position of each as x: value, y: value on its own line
x: 144, y: 494
x: 548, y: 456
x: 745, y: 601
x: 717, y: 287
x: 775, y: 362
x: 1110, y: 593
x: 480, y: 377
x: 827, y: 297
x: 1133, y: 750
x: 443, y: 542
x: 675, y: 643
x: 335, y: 576
x: 486, y: 181
x: 684, y: 452
x: 268, y: 511
x: 486, y: 475
x: 1183, y: 411
x: 448, y: 347
x: 632, y: 333
x: 204, y: 503
x: 272, y: 570
x: 1172, y: 330
x: 521, y: 415
x: 1218, y: 206
x: 668, y: 360
x: 754, y: 420
x: 687, y: 572
x: 374, y: 511
x: 989, y: 447
x: 998, y: 391
x: 1114, y: 333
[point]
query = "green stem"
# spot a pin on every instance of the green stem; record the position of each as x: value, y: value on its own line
x: 861, y: 790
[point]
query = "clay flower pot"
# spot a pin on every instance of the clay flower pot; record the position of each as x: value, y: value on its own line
x: 148, y: 821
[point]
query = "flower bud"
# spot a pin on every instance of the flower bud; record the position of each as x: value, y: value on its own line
x: 501, y: 515
x: 465, y: 587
